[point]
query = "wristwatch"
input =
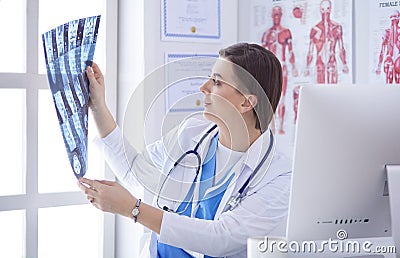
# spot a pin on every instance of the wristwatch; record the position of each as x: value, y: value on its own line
x: 135, y: 211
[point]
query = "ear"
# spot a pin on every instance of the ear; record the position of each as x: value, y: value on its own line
x: 249, y: 103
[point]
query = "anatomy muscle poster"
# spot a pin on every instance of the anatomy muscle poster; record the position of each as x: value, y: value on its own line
x: 313, y: 41
x: 384, y: 34
x: 68, y: 49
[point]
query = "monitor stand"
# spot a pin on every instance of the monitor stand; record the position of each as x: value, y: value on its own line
x: 393, y: 175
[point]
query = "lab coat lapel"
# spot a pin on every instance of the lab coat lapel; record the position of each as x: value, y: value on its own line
x: 229, y: 191
x: 238, y: 169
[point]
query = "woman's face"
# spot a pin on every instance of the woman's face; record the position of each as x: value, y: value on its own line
x: 222, y: 101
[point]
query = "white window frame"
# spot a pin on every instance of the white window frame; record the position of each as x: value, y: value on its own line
x: 32, y: 82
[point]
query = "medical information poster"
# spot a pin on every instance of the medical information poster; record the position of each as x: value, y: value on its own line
x: 188, y: 20
x: 384, y: 29
x: 185, y: 73
x: 313, y: 41
x: 68, y: 49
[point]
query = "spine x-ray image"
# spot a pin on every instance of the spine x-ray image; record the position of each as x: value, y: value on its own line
x: 68, y: 49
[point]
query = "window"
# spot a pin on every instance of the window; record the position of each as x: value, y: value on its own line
x: 12, y: 224
x: 74, y: 233
x: 13, y: 156
x: 71, y: 10
x: 13, y: 36
x: 42, y: 211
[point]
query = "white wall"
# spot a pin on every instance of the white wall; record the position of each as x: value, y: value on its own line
x: 361, y: 54
x: 130, y: 73
x: 138, y: 56
x: 141, y: 51
x: 155, y: 48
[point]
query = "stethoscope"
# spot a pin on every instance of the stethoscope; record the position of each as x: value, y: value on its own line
x: 234, y: 200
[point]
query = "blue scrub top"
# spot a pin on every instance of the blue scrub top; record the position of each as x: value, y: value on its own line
x: 207, y: 206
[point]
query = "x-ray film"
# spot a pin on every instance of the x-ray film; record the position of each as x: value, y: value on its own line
x: 68, y: 49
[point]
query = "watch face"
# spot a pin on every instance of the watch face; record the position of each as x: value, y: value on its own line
x: 135, y: 212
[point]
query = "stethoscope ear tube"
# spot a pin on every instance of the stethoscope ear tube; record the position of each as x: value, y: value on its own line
x: 194, y: 152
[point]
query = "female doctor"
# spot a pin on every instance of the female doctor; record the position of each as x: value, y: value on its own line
x: 215, y: 182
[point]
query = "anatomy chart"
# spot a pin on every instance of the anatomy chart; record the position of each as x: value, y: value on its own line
x: 384, y: 31
x: 68, y: 49
x: 313, y: 41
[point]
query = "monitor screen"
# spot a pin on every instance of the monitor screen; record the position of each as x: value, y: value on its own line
x: 345, y: 137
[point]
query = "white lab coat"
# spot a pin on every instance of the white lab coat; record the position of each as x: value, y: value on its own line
x: 262, y: 212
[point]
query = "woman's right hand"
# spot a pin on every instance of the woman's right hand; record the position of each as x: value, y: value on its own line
x: 97, y: 88
x: 97, y: 102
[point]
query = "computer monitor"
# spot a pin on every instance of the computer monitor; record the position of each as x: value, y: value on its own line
x: 345, y: 136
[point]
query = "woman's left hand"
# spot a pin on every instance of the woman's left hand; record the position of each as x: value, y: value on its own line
x: 108, y: 196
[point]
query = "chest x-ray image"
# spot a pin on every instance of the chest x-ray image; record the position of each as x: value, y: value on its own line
x: 68, y: 49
